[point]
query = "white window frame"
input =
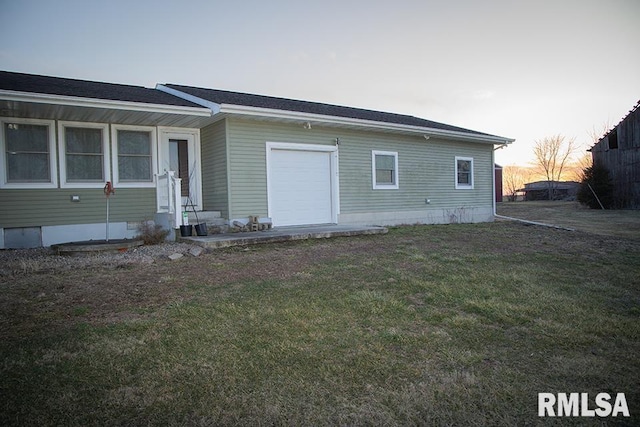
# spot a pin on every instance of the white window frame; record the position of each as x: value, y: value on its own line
x: 463, y: 186
x: 62, y: 150
x: 396, y: 182
x: 53, y: 169
x: 154, y: 156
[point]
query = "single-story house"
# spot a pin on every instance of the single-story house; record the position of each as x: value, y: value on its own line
x: 226, y: 153
x: 619, y: 152
x: 539, y: 190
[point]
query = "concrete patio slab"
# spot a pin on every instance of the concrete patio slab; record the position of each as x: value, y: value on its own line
x: 280, y: 234
x: 89, y: 246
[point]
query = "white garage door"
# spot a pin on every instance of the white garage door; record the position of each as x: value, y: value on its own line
x: 300, y: 190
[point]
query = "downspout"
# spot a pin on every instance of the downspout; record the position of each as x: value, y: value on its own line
x: 493, y: 181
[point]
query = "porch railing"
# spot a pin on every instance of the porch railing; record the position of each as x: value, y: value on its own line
x: 169, y: 198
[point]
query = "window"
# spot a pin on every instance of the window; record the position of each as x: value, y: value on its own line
x: 612, y: 139
x: 384, y: 170
x: 464, y: 173
x: 84, y: 155
x: 133, y: 156
x: 27, y: 153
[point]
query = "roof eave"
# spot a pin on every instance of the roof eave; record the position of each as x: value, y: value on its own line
x: 74, y: 101
x: 244, y: 110
x: 370, y: 124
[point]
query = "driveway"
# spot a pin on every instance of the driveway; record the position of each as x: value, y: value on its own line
x: 618, y: 223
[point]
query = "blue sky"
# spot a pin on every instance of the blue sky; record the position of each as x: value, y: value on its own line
x: 521, y: 69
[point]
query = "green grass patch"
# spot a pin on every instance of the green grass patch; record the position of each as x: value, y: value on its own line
x: 438, y: 325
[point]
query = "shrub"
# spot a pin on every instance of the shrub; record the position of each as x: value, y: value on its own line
x: 152, y: 233
x: 596, y: 176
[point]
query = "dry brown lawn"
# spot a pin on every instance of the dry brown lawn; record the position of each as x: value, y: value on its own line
x: 462, y: 324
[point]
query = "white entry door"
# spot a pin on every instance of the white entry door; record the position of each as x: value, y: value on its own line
x: 179, y: 152
x: 302, y: 184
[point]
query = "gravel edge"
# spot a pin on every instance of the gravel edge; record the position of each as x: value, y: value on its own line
x: 24, y: 261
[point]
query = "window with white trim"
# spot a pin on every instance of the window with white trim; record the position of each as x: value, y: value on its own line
x: 384, y: 170
x: 28, y: 153
x: 84, y: 154
x: 134, y: 153
x: 464, y: 173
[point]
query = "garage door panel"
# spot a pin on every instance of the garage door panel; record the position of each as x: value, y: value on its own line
x: 300, y: 187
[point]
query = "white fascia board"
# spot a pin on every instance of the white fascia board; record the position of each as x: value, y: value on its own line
x: 75, y: 101
x: 212, y: 106
x: 346, y: 121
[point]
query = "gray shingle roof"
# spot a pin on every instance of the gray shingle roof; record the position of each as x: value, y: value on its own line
x: 38, y: 84
x: 32, y: 83
x: 244, y: 99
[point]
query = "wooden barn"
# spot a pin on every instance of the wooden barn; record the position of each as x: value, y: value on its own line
x: 619, y: 152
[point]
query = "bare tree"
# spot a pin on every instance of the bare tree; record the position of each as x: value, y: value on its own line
x: 576, y: 168
x: 597, y: 134
x: 513, y: 178
x: 582, y: 164
x: 552, y: 155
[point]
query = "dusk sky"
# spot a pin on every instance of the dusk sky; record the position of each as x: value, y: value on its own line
x: 519, y: 69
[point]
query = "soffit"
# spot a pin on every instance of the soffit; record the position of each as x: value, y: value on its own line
x: 51, y: 111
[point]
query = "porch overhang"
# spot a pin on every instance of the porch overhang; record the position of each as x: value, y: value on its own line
x: 58, y: 107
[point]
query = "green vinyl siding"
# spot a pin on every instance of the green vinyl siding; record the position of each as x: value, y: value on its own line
x: 215, y: 186
x: 426, y: 168
x: 247, y: 158
x: 32, y: 208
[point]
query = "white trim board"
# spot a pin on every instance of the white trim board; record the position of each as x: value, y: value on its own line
x: 334, y: 120
x: 192, y: 136
x: 153, y: 131
x: 346, y: 121
x: 53, y: 155
x: 393, y: 186
x: 215, y: 108
x: 62, y: 154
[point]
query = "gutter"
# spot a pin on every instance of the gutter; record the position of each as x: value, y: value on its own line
x: 493, y: 182
x: 347, y: 121
x: 334, y: 120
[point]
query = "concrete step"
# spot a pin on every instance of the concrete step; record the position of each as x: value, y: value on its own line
x: 284, y: 234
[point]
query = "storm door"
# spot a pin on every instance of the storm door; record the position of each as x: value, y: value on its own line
x: 179, y: 152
